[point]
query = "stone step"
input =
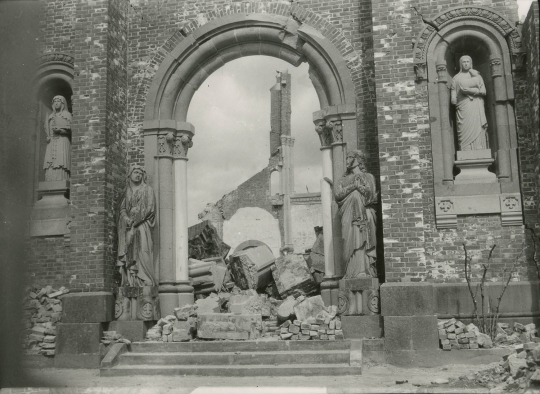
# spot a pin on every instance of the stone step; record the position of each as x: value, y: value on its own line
x: 237, y: 358
x: 234, y: 370
x: 237, y: 346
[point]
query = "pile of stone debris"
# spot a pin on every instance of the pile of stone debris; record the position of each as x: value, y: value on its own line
x: 246, y: 314
x: 454, y: 334
x: 514, y: 372
x: 42, y: 310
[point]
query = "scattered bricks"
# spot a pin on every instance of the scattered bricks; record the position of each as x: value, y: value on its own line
x: 470, y: 335
x: 338, y: 324
x: 529, y: 327
x: 294, y: 337
x: 184, y: 312
x: 49, y: 339
x: 451, y: 328
x: 332, y: 325
x: 305, y: 332
x: 297, y: 323
x: 464, y: 346
x: 310, y: 320
x: 294, y: 329
x: 38, y: 330
x: 447, y: 347
x: 286, y: 324
x: 286, y: 309
x: 229, y: 326
x: 284, y: 330
x: 36, y: 337
x: 473, y: 346
x: 325, y: 326
x: 529, y: 346
x: 321, y: 332
x: 331, y: 332
x: 339, y: 335
x: 519, y: 327
x: 452, y: 336
x: 484, y: 340
x: 442, y: 333
x: 449, y: 323
x: 324, y: 337
x: 445, y: 336
x: 305, y: 326
x: 460, y: 336
x: 286, y: 335
x: 313, y: 333
x: 445, y: 341
x: 331, y: 337
x: 519, y: 348
x: 455, y: 346
x: 303, y: 337
x: 319, y: 320
x: 48, y: 345
x: 459, y: 330
x: 315, y: 327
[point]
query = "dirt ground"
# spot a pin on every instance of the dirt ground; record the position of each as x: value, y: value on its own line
x: 380, y: 378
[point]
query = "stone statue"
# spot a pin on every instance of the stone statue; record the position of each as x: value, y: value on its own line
x: 58, y: 153
x: 467, y: 95
x: 356, y: 195
x: 135, y: 224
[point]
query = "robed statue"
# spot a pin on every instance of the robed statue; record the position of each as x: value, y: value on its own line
x: 467, y: 94
x: 356, y: 195
x: 135, y: 224
x: 58, y: 153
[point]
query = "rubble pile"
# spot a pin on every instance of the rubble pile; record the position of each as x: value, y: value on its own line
x: 43, y: 309
x: 453, y: 334
x: 514, y: 372
x: 517, y: 333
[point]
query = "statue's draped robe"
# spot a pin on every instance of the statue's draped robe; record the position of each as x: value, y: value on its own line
x: 135, y: 245
x: 356, y: 195
x: 470, y: 112
x: 58, y: 153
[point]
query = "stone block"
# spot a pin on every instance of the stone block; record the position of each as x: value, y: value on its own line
x: 96, y: 307
x: 407, y: 299
x: 134, y: 330
x: 209, y: 304
x: 356, y: 327
x: 410, y: 333
x: 310, y: 307
x: 291, y: 272
x: 78, y: 345
x: 359, y: 284
x: 247, y: 304
x: 229, y: 326
x: 251, y: 268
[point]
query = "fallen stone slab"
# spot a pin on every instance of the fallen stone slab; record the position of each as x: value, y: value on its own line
x: 251, y: 268
x: 205, y: 242
x: 229, y: 326
x: 309, y: 308
x: 210, y: 304
x: 206, y: 276
x: 291, y: 273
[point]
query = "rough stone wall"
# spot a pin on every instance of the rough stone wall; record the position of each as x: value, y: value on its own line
x: 413, y: 246
x: 95, y: 34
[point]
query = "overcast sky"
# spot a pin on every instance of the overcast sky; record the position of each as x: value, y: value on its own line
x: 231, y: 115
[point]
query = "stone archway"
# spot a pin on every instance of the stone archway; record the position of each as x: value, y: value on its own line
x: 168, y: 136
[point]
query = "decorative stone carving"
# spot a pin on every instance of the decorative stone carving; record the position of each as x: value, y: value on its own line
x: 181, y: 145
x: 420, y: 71
x: 324, y: 133
x: 56, y: 58
x: 441, y: 73
x: 359, y: 296
x: 57, y: 163
x: 519, y: 59
x: 511, y: 210
x: 336, y: 128
x: 135, y: 225
x: 445, y: 206
x: 467, y: 94
x: 496, y: 67
x: 356, y: 195
x: 137, y: 303
x: 445, y: 214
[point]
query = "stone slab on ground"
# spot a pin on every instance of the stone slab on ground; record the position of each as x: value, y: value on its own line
x: 134, y: 330
x: 291, y: 272
x: 357, y: 327
x: 96, y: 307
x: 251, y: 268
x: 229, y: 326
x: 407, y: 299
x: 411, y: 333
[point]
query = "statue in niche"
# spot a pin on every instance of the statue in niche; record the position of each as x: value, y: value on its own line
x: 467, y: 94
x: 58, y: 152
x: 356, y: 195
x: 135, y: 224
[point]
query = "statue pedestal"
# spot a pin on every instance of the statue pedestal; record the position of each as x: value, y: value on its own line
x: 50, y: 214
x: 137, y: 303
x: 474, y: 167
x: 359, y: 296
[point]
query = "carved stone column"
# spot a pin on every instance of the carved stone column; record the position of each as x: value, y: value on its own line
x: 326, y: 200
x: 287, y: 143
x: 501, y: 119
x: 446, y: 130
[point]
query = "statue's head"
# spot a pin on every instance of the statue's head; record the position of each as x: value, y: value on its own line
x: 356, y: 158
x: 59, y: 104
x: 465, y: 63
x: 137, y: 174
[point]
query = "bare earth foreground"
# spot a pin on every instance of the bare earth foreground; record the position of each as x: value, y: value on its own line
x: 378, y: 379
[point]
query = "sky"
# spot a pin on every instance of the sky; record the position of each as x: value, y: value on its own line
x: 231, y: 115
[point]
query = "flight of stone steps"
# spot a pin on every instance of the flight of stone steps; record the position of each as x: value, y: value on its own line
x: 230, y: 358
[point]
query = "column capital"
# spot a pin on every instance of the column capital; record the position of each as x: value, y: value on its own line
x: 173, y: 138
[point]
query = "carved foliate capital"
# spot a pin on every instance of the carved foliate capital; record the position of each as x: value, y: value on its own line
x: 519, y: 59
x: 420, y: 72
x: 442, y: 75
x: 336, y: 129
x: 181, y: 145
x: 324, y: 132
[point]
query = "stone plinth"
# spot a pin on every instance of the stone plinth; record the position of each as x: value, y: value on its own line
x: 410, y: 333
x: 291, y: 272
x: 78, y: 345
x: 474, y: 167
x: 407, y: 299
x: 95, y: 307
x: 251, y: 268
x: 134, y: 330
x: 50, y: 215
x: 229, y: 326
x: 358, y: 327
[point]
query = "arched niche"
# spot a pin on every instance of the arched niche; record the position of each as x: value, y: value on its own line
x: 50, y: 214
x: 490, y: 41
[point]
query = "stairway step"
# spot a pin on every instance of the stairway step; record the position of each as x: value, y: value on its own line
x: 236, y: 346
x: 235, y: 370
x: 237, y: 358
